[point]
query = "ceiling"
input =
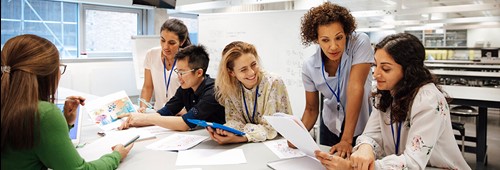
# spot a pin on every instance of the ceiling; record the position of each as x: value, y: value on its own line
x: 374, y: 14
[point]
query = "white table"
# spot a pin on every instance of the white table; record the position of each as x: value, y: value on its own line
x: 463, y: 61
x: 463, y: 66
x: 472, y: 74
x: 256, y: 154
x: 484, y: 98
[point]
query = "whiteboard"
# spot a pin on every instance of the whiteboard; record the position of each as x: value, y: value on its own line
x: 141, y: 45
x: 276, y: 35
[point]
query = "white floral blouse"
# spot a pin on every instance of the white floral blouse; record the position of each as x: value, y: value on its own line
x: 427, y: 138
x: 272, y: 97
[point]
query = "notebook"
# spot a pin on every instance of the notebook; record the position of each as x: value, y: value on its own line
x: 74, y: 133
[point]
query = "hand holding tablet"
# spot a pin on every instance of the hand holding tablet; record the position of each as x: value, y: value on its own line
x: 216, y: 126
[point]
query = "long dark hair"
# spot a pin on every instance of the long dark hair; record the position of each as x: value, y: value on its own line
x: 177, y: 26
x: 408, y: 52
x: 33, y: 77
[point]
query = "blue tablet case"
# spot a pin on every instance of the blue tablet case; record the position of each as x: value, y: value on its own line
x: 215, y: 125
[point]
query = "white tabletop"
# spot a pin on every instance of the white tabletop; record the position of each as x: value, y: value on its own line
x: 473, y: 93
x: 466, y: 73
x: 490, y: 67
x: 463, y: 61
x: 256, y: 154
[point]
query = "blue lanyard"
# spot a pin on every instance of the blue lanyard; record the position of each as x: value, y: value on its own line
x: 254, y: 105
x: 165, y: 74
x: 336, y: 94
x: 396, y: 143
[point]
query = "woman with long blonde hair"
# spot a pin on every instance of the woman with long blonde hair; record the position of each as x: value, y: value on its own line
x: 247, y: 93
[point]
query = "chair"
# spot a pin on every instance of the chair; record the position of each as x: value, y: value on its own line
x: 463, y: 111
x: 461, y: 129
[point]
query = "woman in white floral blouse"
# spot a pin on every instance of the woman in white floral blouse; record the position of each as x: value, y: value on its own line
x: 248, y: 94
x: 411, y: 126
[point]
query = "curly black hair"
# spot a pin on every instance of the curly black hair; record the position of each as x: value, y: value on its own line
x: 324, y: 14
x: 407, y: 51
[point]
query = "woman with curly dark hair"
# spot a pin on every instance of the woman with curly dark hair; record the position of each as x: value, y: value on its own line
x: 339, y: 70
x: 411, y: 126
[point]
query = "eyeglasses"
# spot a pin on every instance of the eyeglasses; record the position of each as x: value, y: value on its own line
x: 181, y: 73
x: 62, y: 68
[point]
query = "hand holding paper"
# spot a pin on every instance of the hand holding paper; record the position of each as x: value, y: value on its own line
x: 294, y: 132
x: 105, y: 110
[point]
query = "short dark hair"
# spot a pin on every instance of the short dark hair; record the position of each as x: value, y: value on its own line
x: 197, y: 57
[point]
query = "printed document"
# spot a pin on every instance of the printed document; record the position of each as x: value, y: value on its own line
x: 281, y: 149
x: 176, y: 142
x: 294, y: 131
x: 104, y: 111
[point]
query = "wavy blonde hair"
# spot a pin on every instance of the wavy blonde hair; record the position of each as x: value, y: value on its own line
x: 225, y: 84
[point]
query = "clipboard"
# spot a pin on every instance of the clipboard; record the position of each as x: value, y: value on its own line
x: 215, y: 125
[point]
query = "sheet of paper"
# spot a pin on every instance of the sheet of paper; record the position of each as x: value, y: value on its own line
x: 176, y: 142
x: 144, y: 134
x: 103, y: 145
x: 210, y: 157
x: 157, y: 130
x: 293, y: 132
x: 104, y: 111
x: 281, y: 149
x: 299, y: 163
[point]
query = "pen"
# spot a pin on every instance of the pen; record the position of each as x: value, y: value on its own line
x: 139, y: 100
x: 131, y: 141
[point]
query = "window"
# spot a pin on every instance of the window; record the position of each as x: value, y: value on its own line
x: 55, y: 21
x: 108, y: 30
x: 75, y: 28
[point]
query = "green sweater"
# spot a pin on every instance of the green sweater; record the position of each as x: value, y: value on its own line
x: 55, y: 150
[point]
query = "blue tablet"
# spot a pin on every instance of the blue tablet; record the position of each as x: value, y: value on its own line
x: 215, y: 125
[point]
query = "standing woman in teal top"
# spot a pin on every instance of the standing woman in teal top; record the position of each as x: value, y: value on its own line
x: 34, y: 131
x: 339, y: 70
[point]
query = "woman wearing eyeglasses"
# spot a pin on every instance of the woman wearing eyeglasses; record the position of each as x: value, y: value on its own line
x: 160, y: 63
x: 34, y: 132
x: 247, y: 93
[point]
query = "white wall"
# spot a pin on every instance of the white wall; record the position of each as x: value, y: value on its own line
x: 377, y: 36
x: 483, y: 34
x: 100, y: 78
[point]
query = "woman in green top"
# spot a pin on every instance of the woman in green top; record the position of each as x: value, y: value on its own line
x: 34, y: 132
